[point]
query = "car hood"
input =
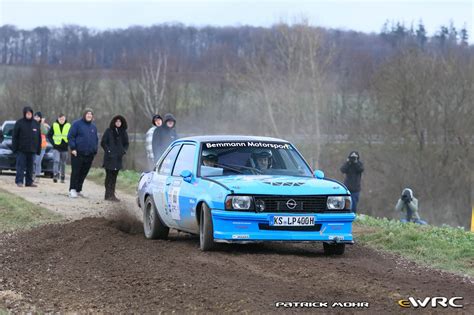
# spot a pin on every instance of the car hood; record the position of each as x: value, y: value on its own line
x: 6, y: 144
x: 280, y: 185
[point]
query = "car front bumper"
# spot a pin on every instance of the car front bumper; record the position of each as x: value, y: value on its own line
x: 234, y: 226
x: 7, y: 162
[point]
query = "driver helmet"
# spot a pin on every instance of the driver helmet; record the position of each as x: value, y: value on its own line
x: 209, y: 156
x: 262, y: 154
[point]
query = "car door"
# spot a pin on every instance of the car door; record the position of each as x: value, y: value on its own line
x: 161, y: 178
x: 182, y: 194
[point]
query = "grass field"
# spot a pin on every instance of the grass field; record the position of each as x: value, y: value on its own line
x: 17, y: 213
x: 445, y: 248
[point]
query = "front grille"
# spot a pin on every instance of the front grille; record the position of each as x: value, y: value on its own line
x: 315, y: 204
x: 267, y: 227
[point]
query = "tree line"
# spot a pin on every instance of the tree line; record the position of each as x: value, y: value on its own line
x: 403, y: 99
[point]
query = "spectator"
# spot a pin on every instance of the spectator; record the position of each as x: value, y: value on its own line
x: 166, y: 135
x: 407, y: 205
x: 57, y: 135
x: 44, y: 127
x: 353, y: 169
x: 26, y: 143
x: 151, y: 145
x: 115, y: 145
x: 83, y: 141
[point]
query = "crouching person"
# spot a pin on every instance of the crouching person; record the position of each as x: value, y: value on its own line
x: 115, y: 144
x: 407, y: 206
x: 58, y: 137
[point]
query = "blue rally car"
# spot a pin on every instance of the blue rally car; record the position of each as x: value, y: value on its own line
x: 239, y: 189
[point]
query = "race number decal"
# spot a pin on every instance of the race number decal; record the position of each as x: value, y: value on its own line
x: 173, y: 200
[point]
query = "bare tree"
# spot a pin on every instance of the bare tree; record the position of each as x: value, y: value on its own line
x: 286, y: 77
x: 147, y: 89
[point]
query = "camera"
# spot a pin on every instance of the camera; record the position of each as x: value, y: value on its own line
x: 406, y: 198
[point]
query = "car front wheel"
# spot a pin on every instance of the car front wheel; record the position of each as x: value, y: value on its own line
x: 206, y: 230
x: 153, y: 227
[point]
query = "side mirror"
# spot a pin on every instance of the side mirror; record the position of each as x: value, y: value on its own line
x: 187, y: 176
x: 318, y: 174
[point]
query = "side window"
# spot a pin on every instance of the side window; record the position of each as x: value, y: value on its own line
x: 185, y: 160
x: 167, y: 164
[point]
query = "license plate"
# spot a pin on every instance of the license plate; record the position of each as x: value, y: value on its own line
x: 293, y: 221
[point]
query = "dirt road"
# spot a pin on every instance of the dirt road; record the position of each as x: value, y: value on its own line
x: 105, y: 265
x: 54, y: 196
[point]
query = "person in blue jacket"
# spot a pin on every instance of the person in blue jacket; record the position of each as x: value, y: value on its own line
x: 83, y: 142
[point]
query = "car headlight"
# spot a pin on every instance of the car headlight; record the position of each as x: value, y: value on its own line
x: 239, y: 203
x: 339, y: 203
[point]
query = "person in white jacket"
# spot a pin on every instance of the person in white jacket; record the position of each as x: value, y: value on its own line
x: 157, y: 122
x: 407, y: 206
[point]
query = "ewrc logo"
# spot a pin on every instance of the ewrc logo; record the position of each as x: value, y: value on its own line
x: 431, y: 301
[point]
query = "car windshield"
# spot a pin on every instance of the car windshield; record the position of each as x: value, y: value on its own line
x: 251, y: 158
x: 8, y: 130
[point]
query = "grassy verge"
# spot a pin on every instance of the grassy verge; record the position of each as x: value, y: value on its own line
x: 126, y: 181
x: 445, y: 248
x: 17, y: 213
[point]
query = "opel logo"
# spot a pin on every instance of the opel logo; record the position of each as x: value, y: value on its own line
x: 291, y: 204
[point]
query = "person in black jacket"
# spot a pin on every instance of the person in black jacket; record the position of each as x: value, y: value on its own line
x: 353, y: 169
x: 166, y: 135
x: 115, y: 144
x: 26, y: 143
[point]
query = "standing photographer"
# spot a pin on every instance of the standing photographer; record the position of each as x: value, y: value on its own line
x: 353, y: 169
x: 407, y: 205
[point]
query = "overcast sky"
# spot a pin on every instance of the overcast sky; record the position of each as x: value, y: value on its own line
x: 366, y: 16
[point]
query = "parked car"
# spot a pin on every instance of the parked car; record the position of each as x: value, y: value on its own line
x: 8, y: 158
x: 220, y: 188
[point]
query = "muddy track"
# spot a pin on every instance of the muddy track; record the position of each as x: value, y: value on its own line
x: 106, y: 265
x: 101, y: 265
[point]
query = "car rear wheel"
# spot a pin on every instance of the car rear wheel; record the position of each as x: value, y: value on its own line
x: 334, y: 249
x: 206, y: 230
x: 153, y: 227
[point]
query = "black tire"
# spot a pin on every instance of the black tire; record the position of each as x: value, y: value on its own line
x: 334, y: 249
x: 153, y: 227
x: 206, y: 230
